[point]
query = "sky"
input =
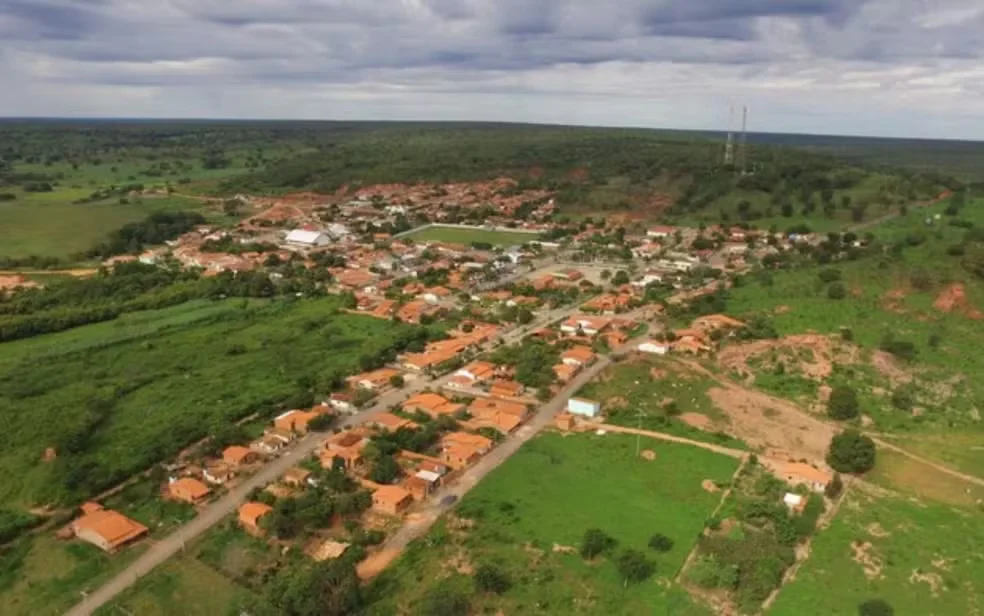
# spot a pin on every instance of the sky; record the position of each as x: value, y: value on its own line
x: 896, y: 68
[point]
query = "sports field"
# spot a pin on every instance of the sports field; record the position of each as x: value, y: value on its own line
x: 529, y: 516
x: 467, y: 237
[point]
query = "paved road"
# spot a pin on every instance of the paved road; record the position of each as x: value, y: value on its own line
x: 173, y: 543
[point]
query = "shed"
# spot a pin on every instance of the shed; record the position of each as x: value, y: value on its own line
x: 580, y: 406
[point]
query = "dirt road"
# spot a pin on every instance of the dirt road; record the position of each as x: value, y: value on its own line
x: 662, y: 436
x: 943, y: 469
x: 170, y: 545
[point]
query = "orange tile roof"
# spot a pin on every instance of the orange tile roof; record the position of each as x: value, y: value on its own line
x: 235, y: 454
x: 250, y: 513
x: 488, y: 406
x: 390, y: 495
x: 391, y: 422
x: 579, y: 353
x: 113, y: 527
x: 565, y: 372
x: 188, y: 488
x: 799, y: 470
x: 432, y: 404
x: 465, y: 439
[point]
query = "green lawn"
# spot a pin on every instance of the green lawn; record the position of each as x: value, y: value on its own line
x: 922, y: 559
x: 143, y: 386
x: 50, y: 225
x: 531, y: 511
x: 455, y: 235
x: 181, y: 587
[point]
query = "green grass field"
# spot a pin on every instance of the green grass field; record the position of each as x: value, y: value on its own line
x: 649, y: 392
x: 50, y: 225
x: 454, y: 235
x: 921, y: 558
x: 527, y: 514
x: 148, y: 383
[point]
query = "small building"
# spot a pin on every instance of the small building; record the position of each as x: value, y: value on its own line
x: 660, y: 231
x: 578, y: 356
x: 565, y: 372
x: 799, y: 473
x: 106, y: 529
x: 652, y: 346
x: 391, y: 500
x: 433, y: 404
x: 307, y: 239
x: 422, y: 484
x: 217, y: 473
x: 329, y: 549
x: 342, y: 401
x: 388, y: 422
x: 297, y: 477
x: 250, y: 515
x: 187, y: 490
x: 295, y: 421
x: 506, y: 389
x: 237, y: 455
x: 585, y: 408
x: 268, y: 444
x: 796, y: 503
x: 565, y: 422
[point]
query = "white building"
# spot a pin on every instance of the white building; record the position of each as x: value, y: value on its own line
x: 585, y: 408
x: 300, y: 237
x: 651, y: 346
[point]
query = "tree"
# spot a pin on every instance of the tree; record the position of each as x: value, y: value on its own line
x: 633, y: 566
x: 606, y: 274
x: 489, y: 578
x: 524, y: 316
x: 660, y: 543
x: 595, y: 542
x: 851, y: 452
x: 443, y: 601
x: 621, y: 277
x: 843, y: 403
x: 835, y: 487
x: 386, y: 470
x: 330, y: 588
x: 396, y: 381
x: 837, y: 291
x: 875, y: 607
x: 829, y: 274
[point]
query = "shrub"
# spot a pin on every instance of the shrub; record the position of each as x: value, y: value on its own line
x: 633, y: 566
x: 837, y: 290
x: 660, y: 543
x: 707, y: 572
x: 875, y: 607
x: 443, y: 601
x: 489, y: 578
x: 835, y: 487
x: 903, y: 399
x: 903, y: 349
x: 843, y: 403
x: 595, y: 542
x: 829, y: 274
x: 851, y: 452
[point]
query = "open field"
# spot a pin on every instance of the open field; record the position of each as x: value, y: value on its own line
x: 654, y: 393
x: 467, y: 237
x: 42, y: 576
x: 51, y: 227
x: 182, y: 587
x: 907, y: 476
x: 115, y: 397
x: 530, y: 515
x: 919, y: 557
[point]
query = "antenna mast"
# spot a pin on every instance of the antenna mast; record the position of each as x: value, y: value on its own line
x: 742, y: 141
x: 729, y: 146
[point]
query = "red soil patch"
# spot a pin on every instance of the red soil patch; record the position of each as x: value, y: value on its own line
x: 954, y: 297
x: 813, y: 355
x: 701, y: 422
x: 892, y: 301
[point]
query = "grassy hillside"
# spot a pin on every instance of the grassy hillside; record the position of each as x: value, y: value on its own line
x: 115, y: 397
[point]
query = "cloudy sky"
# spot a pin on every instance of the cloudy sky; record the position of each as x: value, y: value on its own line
x: 875, y: 67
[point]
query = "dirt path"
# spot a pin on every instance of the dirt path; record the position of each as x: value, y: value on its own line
x: 943, y: 469
x: 727, y: 451
x: 82, y: 272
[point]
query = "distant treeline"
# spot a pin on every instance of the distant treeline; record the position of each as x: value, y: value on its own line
x: 155, y: 229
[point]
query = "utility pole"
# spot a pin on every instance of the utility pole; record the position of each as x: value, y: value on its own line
x: 743, y: 141
x: 729, y: 146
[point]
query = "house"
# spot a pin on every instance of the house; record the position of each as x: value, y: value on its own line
x: 435, y: 294
x: 295, y: 421
x: 796, y: 503
x: 578, y: 356
x: 106, y: 529
x: 433, y: 404
x: 648, y: 278
x: 307, y: 239
x: 586, y: 408
x: 660, y: 231
x: 565, y: 422
x: 391, y: 500
x: 344, y: 446
x: 715, y: 322
x: 269, y: 444
x: 375, y: 380
x: 422, y: 484
x: 355, y: 278
x: 506, y: 389
x: 459, y: 449
x: 250, y: 515
x: 297, y: 477
x: 799, y: 473
x: 572, y: 275
x: 565, y: 372
x: 652, y: 346
x: 187, y: 490
x: 236, y: 455
x: 477, y: 372
x: 217, y: 473
x: 488, y: 406
x: 342, y: 401
x: 585, y: 324
x: 413, y: 311
x: 388, y: 422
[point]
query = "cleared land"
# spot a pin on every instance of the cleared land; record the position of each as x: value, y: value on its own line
x: 919, y: 557
x: 454, y: 235
x: 115, y: 397
x: 529, y: 516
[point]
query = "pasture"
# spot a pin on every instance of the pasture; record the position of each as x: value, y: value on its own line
x: 529, y: 516
x: 919, y: 557
x: 114, y: 398
x: 467, y: 237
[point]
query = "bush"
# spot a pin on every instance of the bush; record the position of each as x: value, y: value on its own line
x: 633, y: 566
x: 835, y: 487
x: 443, y: 601
x: 595, y: 542
x: 903, y: 349
x: 489, y: 578
x: 843, y: 403
x: 660, y: 543
x: 903, y: 399
x: 875, y: 607
x: 829, y: 275
x: 707, y: 572
x: 837, y: 290
x: 851, y: 452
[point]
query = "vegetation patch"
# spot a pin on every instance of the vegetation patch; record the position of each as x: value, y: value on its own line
x: 468, y: 237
